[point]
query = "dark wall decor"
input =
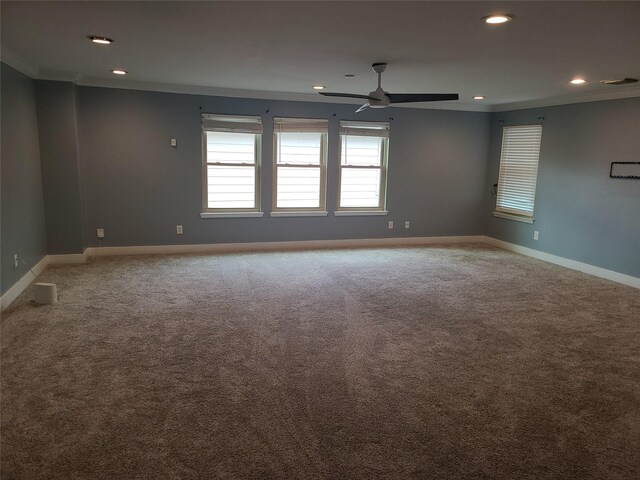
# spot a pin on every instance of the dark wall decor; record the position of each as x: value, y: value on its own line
x: 625, y: 170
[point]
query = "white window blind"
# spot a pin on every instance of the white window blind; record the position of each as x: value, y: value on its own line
x: 299, y: 163
x: 363, y: 165
x: 231, y: 162
x: 518, y: 170
x: 231, y: 123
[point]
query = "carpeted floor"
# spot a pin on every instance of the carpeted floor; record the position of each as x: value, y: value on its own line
x: 458, y: 362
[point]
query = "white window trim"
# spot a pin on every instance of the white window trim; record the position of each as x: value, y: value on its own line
x: 300, y: 211
x: 231, y: 212
x: 355, y: 213
x: 384, y: 167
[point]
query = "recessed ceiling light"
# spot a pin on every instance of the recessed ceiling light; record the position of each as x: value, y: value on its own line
x: 578, y: 81
x: 119, y: 72
x: 318, y: 87
x: 100, y: 40
x: 479, y: 97
x: 497, y: 19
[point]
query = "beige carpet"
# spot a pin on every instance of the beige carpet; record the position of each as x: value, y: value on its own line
x: 429, y: 363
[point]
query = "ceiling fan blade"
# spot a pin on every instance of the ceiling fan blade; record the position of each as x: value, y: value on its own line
x: 346, y: 95
x: 363, y: 107
x: 420, y: 97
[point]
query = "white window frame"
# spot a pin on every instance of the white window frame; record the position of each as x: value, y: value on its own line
x: 372, y: 129
x: 284, y: 125
x: 235, y: 124
x: 509, y: 184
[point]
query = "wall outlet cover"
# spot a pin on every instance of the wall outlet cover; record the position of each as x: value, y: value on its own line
x: 179, y: 229
x: 100, y: 233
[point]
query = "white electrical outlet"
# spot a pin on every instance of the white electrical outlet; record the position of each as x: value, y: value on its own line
x: 406, y: 224
x: 179, y: 229
x: 174, y: 142
x: 390, y: 224
x: 100, y: 233
x: 536, y: 234
x: 16, y: 260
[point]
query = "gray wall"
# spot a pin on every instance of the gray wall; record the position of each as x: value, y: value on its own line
x: 139, y: 188
x: 22, y: 227
x: 60, y: 170
x: 107, y: 162
x: 580, y: 212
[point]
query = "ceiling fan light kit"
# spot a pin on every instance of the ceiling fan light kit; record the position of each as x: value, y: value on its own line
x: 378, y: 98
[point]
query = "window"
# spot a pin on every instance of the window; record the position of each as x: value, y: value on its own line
x: 231, y: 166
x: 518, y: 172
x: 300, y: 152
x: 363, y: 166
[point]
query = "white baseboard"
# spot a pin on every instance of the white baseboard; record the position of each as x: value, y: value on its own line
x: 271, y: 246
x: 13, y: 293
x: 565, y: 262
x: 69, y: 258
x: 78, y: 258
x: 22, y: 284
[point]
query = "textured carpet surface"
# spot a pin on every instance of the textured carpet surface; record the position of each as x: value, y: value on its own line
x: 458, y: 362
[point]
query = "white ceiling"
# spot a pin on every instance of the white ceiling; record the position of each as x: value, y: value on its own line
x: 280, y: 49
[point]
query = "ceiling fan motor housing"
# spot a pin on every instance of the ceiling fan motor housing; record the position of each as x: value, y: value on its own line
x: 381, y: 99
x: 379, y: 67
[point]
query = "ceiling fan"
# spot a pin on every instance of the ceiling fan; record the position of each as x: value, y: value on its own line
x: 381, y: 99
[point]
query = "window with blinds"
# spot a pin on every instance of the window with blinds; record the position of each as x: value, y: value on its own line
x: 363, y: 165
x: 231, y: 163
x: 300, y: 159
x: 518, y: 172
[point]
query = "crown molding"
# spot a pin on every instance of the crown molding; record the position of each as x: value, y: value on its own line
x: 16, y: 61
x: 606, y: 92
x: 60, y: 76
x: 193, y: 89
x: 23, y: 66
x: 230, y: 92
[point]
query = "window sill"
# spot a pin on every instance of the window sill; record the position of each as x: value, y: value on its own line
x: 231, y: 214
x: 307, y: 213
x: 511, y: 216
x: 353, y: 213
